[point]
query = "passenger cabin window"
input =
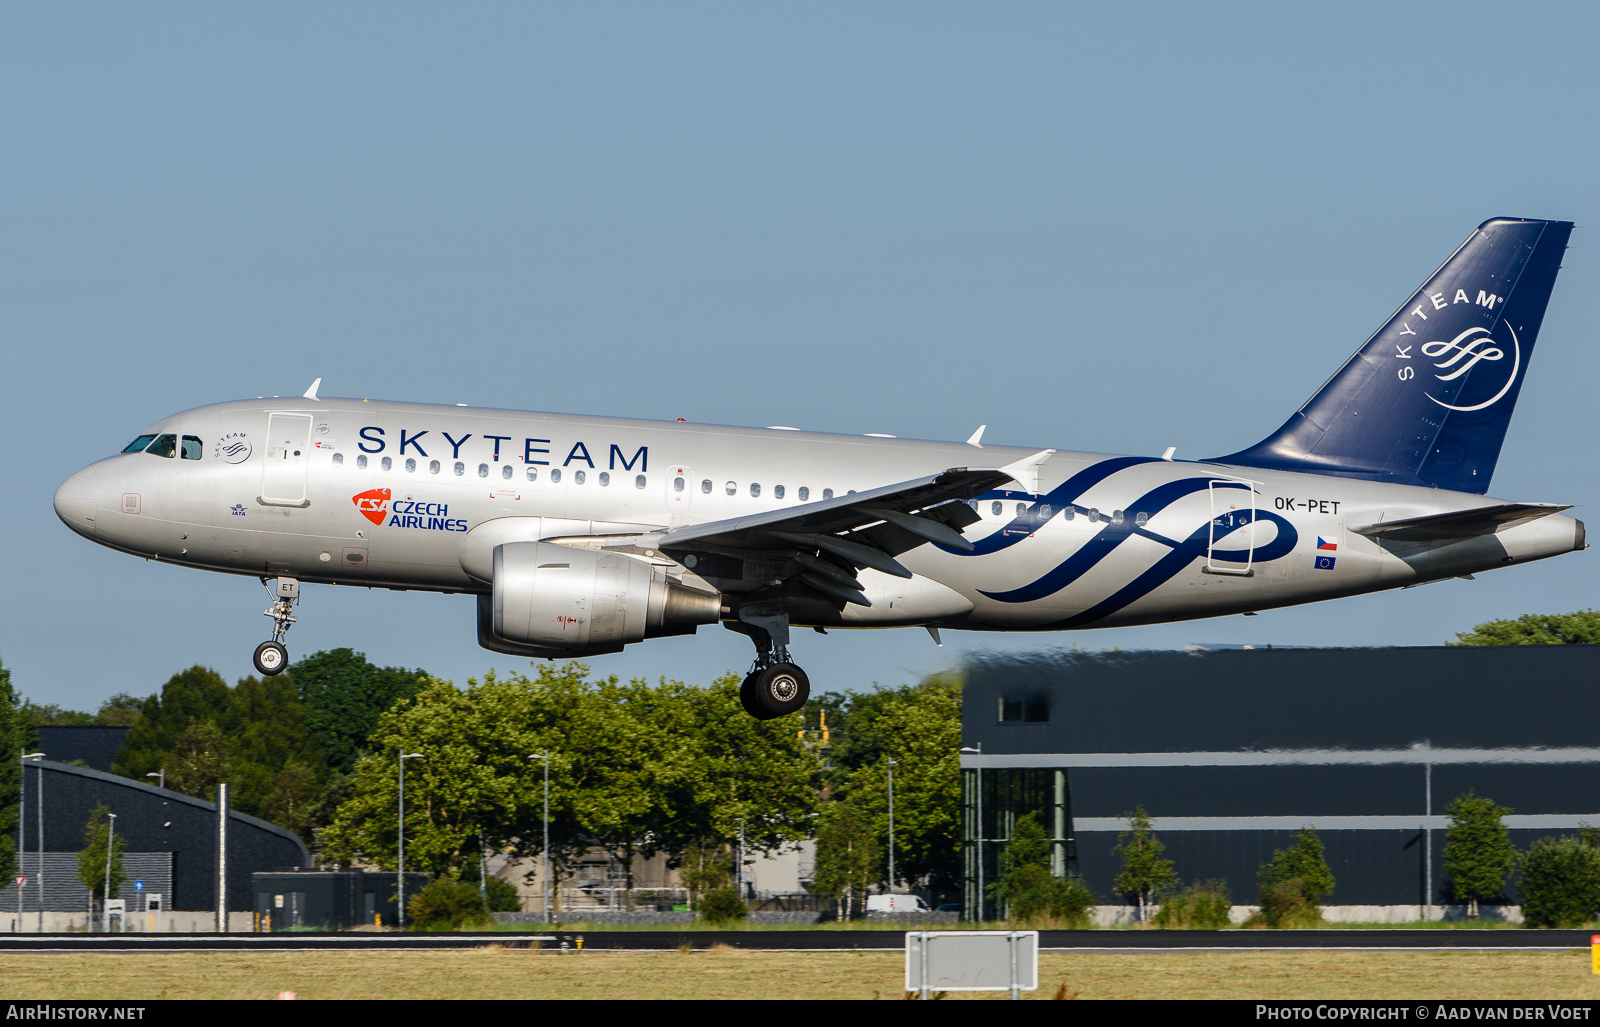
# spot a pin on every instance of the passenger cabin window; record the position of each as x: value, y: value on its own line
x: 1068, y: 513
x: 507, y: 471
x: 605, y: 478
x: 533, y: 473
x: 387, y: 463
x: 164, y: 445
x: 997, y: 508
x: 361, y: 461
x: 433, y: 467
x: 411, y: 463
x: 1022, y: 509
x: 827, y: 493
x: 138, y: 444
x: 705, y: 486
x: 1116, y: 517
x: 804, y: 493
x: 731, y: 488
x: 777, y: 492
x: 1024, y: 709
x: 192, y: 447
x: 638, y: 481
x: 460, y: 468
x: 755, y: 490
x: 1094, y: 515
x: 338, y: 459
x: 1044, y: 512
x: 555, y: 475
x: 483, y: 470
x: 579, y: 477
x: 1141, y: 518
x: 677, y: 484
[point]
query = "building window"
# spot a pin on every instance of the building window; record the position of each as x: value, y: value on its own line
x: 1024, y: 709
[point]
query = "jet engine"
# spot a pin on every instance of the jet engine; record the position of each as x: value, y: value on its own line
x: 553, y: 600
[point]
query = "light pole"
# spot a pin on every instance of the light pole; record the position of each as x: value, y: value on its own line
x: 22, y: 822
x: 38, y: 773
x: 400, y: 878
x: 978, y: 832
x: 111, y: 846
x: 544, y: 853
x: 162, y: 774
x: 891, y: 826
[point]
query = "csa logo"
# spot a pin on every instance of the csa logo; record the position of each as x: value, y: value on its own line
x: 373, y: 504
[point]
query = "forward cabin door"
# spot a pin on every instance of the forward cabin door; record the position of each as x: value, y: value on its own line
x: 283, y: 475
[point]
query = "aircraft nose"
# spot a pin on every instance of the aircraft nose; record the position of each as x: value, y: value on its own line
x: 75, y: 501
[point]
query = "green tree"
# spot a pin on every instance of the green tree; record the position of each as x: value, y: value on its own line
x: 253, y: 736
x: 447, y: 904
x: 16, y: 738
x: 1294, y: 881
x: 1478, y: 853
x: 1203, y: 906
x: 919, y: 727
x: 344, y: 696
x: 1580, y: 628
x: 849, y: 856
x: 1030, y: 892
x: 1144, y: 869
x: 92, y: 858
x: 1560, y: 883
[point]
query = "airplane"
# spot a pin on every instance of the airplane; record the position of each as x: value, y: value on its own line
x: 578, y: 535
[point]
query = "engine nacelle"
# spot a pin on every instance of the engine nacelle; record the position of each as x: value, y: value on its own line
x: 560, y: 597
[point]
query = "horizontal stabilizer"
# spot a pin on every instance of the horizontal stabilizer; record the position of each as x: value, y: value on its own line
x: 1485, y: 520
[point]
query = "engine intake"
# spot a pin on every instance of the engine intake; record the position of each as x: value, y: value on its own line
x: 558, y: 597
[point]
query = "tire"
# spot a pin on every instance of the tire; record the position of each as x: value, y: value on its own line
x: 779, y: 690
x: 271, y: 658
x: 747, y: 696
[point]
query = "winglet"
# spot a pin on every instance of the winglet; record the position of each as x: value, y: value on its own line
x: 977, y: 436
x: 1025, y: 472
x: 311, y: 393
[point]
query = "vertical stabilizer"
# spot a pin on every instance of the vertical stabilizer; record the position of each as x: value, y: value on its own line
x: 1427, y: 399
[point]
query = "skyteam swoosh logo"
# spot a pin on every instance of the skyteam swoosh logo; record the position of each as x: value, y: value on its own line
x: 1464, y: 352
x: 1183, y: 552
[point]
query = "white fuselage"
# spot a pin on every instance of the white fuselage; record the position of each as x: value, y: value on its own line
x: 408, y: 496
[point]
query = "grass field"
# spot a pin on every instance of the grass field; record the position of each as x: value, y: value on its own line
x: 722, y: 973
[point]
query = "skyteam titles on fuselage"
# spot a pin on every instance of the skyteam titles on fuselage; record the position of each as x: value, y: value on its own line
x: 375, y: 439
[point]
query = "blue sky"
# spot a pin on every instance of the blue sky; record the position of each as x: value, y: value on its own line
x: 1101, y: 227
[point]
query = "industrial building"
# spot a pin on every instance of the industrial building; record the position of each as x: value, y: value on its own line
x: 1232, y: 751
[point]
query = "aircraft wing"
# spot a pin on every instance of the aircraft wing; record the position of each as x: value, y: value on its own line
x: 861, y: 529
x: 1484, y: 520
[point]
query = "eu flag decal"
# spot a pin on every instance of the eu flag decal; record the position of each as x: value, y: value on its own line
x: 1323, y: 543
x: 1325, y: 563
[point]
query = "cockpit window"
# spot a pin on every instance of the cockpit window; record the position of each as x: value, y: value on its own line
x: 191, y: 447
x: 164, y: 445
x: 138, y: 444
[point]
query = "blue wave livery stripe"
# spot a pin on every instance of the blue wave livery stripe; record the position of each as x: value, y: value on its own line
x: 1113, y: 535
x: 1062, y: 495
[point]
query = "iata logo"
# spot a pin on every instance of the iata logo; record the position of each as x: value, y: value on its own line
x: 373, y: 504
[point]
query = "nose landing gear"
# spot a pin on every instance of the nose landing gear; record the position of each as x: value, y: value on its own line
x: 271, y: 657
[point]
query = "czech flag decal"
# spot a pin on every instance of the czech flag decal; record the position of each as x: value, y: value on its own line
x: 1323, y: 543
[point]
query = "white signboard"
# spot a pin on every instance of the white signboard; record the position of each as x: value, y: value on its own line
x: 972, y: 961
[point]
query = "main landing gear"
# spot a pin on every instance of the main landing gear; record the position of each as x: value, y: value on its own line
x: 271, y: 657
x: 774, y: 687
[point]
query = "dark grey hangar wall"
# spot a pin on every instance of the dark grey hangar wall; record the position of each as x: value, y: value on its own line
x: 1233, y: 751
x: 171, y: 841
